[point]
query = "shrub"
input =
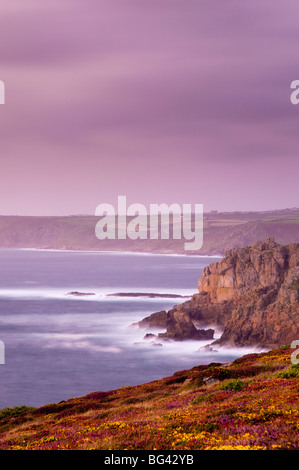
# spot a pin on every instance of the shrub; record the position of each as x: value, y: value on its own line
x: 202, y: 398
x: 236, y: 385
x: 290, y: 372
x: 15, y: 411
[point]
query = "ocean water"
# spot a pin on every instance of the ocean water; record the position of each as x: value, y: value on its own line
x: 59, y: 346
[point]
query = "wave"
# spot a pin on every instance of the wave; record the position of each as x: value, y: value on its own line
x: 115, y: 252
x: 93, y: 294
x: 75, y: 341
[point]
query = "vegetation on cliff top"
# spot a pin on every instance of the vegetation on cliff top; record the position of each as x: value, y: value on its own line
x: 251, y: 403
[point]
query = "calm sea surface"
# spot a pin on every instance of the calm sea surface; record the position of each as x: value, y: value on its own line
x: 59, y: 346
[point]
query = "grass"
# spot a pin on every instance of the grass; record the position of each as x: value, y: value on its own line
x: 251, y: 403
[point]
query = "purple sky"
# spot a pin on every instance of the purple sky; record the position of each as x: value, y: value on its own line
x: 159, y: 100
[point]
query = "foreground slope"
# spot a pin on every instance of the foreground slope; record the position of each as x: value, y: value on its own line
x: 251, y: 403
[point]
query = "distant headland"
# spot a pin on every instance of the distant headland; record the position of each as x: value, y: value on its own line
x: 223, y: 231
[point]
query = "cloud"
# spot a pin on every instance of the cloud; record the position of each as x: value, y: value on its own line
x: 130, y: 85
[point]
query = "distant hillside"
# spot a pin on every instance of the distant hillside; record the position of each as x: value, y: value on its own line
x: 222, y: 231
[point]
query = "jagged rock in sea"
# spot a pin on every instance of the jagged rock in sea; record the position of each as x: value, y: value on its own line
x: 179, y: 326
x: 151, y: 295
x: 252, y: 295
x: 79, y: 294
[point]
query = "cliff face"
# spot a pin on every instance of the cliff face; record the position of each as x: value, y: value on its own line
x: 261, y: 266
x: 252, y: 295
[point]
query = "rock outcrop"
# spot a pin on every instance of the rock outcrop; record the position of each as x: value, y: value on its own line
x: 79, y: 294
x: 178, y: 324
x: 151, y: 295
x: 251, y: 295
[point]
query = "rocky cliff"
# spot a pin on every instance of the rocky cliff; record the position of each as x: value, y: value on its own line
x: 251, y: 296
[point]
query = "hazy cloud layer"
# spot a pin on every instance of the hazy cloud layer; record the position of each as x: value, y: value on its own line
x: 163, y: 101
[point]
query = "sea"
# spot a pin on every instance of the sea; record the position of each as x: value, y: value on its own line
x: 56, y: 345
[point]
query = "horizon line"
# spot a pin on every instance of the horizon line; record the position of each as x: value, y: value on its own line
x: 211, y: 212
